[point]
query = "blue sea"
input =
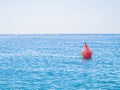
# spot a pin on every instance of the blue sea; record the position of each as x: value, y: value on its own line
x: 54, y: 62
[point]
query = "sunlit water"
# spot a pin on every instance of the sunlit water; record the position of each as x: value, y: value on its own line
x: 54, y: 62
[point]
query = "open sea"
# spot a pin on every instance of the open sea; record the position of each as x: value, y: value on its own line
x: 54, y: 62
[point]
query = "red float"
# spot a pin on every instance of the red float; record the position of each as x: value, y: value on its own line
x: 86, y: 52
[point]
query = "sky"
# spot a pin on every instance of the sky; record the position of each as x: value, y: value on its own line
x: 59, y: 16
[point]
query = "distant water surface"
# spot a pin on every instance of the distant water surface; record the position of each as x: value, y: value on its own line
x: 54, y: 62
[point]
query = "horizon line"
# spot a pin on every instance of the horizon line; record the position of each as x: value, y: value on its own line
x: 51, y: 33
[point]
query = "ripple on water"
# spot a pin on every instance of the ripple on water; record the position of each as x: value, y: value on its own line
x: 54, y: 62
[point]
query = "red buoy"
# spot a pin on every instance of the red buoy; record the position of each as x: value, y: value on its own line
x: 86, y: 52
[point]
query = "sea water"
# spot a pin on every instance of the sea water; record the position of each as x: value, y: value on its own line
x: 54, y: 62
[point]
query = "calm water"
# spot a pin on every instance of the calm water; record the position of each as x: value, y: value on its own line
x: 54, y: 62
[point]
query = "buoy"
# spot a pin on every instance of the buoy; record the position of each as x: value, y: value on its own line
x: 86, y: 52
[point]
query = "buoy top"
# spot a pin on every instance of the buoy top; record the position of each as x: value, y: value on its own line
x: 85, y: 45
